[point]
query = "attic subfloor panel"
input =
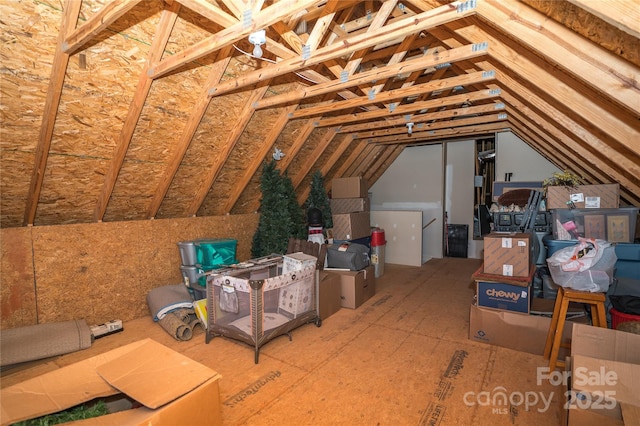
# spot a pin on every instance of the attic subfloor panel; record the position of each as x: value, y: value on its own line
x: 403, y: 357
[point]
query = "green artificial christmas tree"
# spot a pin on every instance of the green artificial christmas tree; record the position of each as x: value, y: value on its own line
x: 280, y: 215
x: 319, y: 199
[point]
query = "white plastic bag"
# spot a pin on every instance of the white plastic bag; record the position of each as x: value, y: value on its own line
x: 587, y: 265
x: 580, y: 257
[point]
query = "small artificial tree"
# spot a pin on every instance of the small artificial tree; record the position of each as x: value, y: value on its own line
x: 319, y: 199
x: 280, y: 215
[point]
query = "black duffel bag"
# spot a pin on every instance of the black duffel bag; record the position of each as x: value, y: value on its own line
x: 348, y: 255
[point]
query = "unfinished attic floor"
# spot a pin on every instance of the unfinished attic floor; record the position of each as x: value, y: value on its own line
x: 402, y: 358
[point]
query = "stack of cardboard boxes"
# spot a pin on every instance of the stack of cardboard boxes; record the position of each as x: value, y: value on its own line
x: 504, y: 311
x: 352, y: 221
x: 350, y: 208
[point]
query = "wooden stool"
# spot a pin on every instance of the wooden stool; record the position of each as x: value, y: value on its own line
x: 563, y: 298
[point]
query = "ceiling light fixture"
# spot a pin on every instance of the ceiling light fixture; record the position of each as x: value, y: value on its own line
x: 257, y: 39
x: 409, y: 128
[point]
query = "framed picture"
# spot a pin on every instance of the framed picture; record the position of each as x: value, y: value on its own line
x: 594, y: 226
x: 618, y: 229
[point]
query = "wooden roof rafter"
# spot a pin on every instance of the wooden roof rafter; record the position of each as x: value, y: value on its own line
x: 229, y: 35
x: 52, y: 102
x: 433, y: 59
x: 391, y: 95
x: 355, y: 43
x: 161, y: 38
x: 477, y: 96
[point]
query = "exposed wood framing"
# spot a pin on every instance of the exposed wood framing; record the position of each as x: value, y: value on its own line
x: 338, y: 83
x: 54, y: 92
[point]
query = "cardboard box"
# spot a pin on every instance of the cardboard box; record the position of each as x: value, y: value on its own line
x: 356, y: 286
x: 297, y: 262
x: 172, y: 388
x: 605, y: 196
x: 526, y: 333
x: 504, y: 293
x: 508, y: 254
x: 351, y: 226
x: 503, y: 296
x: 349, y: 205
x: 330, y: 293
x: 604, y: 386
x: 349, y: 187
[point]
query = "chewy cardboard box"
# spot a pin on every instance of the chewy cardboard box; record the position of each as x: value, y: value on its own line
x: 351, y: 226
x: 330, y: 300
x: 508, y: 254
x: 356, y: 286
x: 171, y: 388
x: 349, y: 205
x: 604, y: 385
x: 606, y: 196
x: 349, y: 187
x: 509, y: 297
x: 504, y: 293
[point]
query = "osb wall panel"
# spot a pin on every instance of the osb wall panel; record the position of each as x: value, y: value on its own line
x: 94, y: 103
x: 249, y: 201
x: 167, y: 109
x: 243, y: 156
x: 28, y: 31
x: 18, y: 296
x: 101, y: 271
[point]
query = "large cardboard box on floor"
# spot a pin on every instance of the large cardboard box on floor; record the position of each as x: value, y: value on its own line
x: 525, y: 333
x: 351, y: 226
x: 330, y: 295
x: 508, y: 253
x: 605, y: 196
x: 171, y: 388
x: 349, y: 187
x: 604, y: 385
x: 356, y: 286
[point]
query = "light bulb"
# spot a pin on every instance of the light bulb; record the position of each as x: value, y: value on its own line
x: 257, y: 51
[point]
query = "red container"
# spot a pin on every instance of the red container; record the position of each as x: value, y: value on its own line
x: 618, y: 317
x: 377, y: 238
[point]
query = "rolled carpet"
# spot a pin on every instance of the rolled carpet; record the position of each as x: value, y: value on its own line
x: 179, y: 323
x: 162, y: 300
x: 40, y: 341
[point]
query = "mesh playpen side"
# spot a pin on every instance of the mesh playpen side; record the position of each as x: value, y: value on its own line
x: 257, y: 305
